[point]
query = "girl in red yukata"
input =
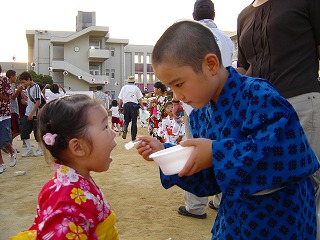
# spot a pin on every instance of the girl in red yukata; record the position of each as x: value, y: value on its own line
x: 71, y: 205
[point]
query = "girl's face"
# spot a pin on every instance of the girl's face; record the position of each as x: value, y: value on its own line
x: 194, y: 89
x: 102, y: 138
x: 169, y: 110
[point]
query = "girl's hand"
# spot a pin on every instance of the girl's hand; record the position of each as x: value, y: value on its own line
x: 148, y: 146
x: 201, y: 157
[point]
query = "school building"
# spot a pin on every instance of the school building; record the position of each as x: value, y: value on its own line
x: 88, y: 57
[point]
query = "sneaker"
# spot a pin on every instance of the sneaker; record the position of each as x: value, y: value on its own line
x: 24, y: 145
x: 3, y: 168
x: 183, y: 211
x: 13, y: 159
x: 28, y: 153
x: 124, y: 135
x: 38, y: 153
x: 212, y: 206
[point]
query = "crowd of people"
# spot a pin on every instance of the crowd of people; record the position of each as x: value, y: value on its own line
x: 255, y: 128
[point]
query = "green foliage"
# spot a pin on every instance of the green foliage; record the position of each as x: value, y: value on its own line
x: 40, y: 78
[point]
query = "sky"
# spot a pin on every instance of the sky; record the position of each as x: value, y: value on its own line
x: 140, y: 21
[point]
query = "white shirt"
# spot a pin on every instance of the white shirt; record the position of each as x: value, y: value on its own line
x: 51, y: 96
x: 130, y: 93
x: 115, y: 111
x: 223, y: 40
x: 35, y: 94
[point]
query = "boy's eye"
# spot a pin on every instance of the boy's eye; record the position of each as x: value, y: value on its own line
x: 107, y: 126
x: 179, y: 85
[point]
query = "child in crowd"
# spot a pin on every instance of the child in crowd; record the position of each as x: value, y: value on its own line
x: 29, y: 120
x: 115, y: 116
x: 121, y: 120
x: 54, y: 92
x: 156, y: 106
x: 248, y: 141
x: 170, y: 130
x: 71, y: 205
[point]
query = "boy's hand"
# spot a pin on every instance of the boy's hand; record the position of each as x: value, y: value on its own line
x: 201, y: 157
x: 148, y: 146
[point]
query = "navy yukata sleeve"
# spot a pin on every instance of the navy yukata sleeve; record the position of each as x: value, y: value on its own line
x: 263, y: 145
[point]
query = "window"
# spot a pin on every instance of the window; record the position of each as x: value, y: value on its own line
x: 138, y: 67
x: 112, y: 52
x: 113, y: 74
x: 95, y: 44
x: 108, y: 72
x: 138, y: 57
x: 95, y: 69
x: 148, y: 58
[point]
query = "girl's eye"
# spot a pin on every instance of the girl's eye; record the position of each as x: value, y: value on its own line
x: 107, y: 126
x: 179, y: 85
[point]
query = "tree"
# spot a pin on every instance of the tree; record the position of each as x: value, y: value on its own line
x: 40, y: 78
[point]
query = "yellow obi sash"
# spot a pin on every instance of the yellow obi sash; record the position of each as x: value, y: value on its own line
x: 105, y: 230
x: 25, y: 235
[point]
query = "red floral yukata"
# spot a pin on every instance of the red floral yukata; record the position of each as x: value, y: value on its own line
x: 71, y: 207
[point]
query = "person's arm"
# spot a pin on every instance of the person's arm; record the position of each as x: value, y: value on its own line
x: 63, y: 90
x: 17, y: 92
x: 318, y: 48
x: 120, y: 104
x: 35, y: 107
x: 24, y: 99
x: 141, y: 103
x: 148, y: 146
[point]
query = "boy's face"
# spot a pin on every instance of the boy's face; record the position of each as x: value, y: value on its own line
x: 194, y: 89
x: 13, y: 78
x: 25, y: 83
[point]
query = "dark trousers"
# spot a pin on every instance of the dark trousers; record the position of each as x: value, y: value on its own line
x: 130, y: 112
x: 27, y: 127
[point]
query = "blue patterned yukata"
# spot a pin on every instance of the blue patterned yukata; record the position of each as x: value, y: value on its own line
x: 261, y: 163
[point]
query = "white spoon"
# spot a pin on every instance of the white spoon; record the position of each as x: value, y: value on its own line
x: 130, y: 145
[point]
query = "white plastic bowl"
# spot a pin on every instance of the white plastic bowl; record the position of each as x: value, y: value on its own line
x: 172, y: 160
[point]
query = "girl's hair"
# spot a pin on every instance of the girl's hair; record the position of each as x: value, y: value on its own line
x: 160, y: 85
x: 68, y: 118
x: 114, y: 103
x: 185, y: 43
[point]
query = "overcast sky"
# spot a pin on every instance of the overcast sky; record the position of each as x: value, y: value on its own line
x: 140, y: 21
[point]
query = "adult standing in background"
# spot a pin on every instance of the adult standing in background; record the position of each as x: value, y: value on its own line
x: 5, y: 122
x: 130, y: 100
x: 204, y: 12
x: 280, y: 40
x: 14, y: 108
x: 101, y: 97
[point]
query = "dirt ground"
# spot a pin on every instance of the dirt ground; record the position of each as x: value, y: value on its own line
x: 143, y: 208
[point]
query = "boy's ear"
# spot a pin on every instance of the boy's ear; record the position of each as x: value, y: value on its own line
x: 212, y: 62
x: 76, y: 147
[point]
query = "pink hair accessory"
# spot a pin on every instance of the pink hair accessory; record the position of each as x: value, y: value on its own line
x: 49, y: 138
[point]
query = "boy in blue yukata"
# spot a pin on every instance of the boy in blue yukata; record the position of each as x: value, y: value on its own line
x: 248, y: 141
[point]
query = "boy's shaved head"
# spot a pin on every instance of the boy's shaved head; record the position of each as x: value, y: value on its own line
x: 185, y: 43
